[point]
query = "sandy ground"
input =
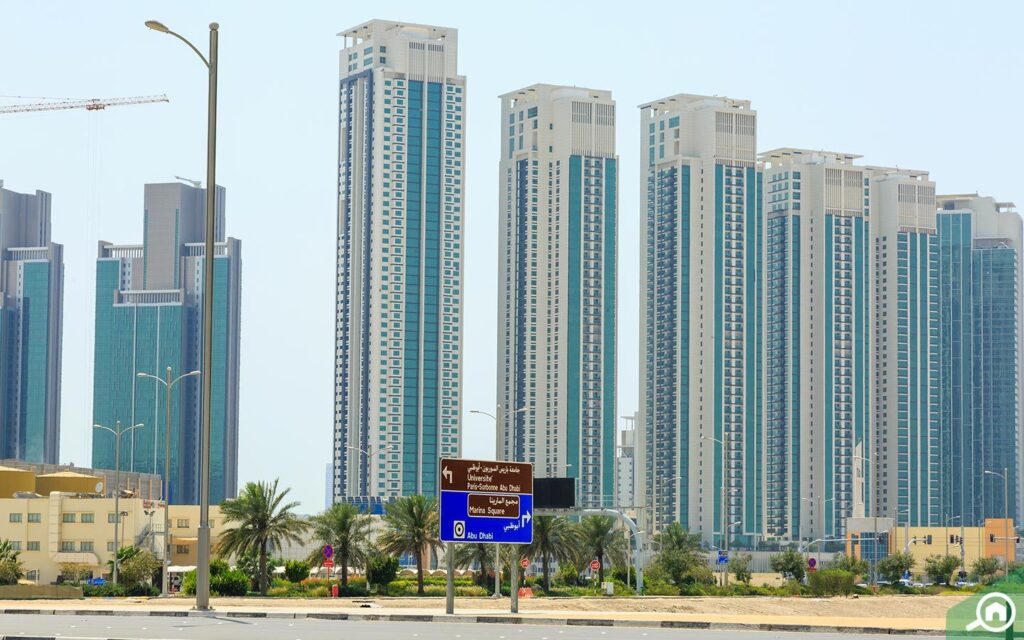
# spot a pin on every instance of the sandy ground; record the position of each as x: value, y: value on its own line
x: 901, y: 612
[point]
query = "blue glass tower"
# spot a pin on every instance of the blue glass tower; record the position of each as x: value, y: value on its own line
x: 31, y: 321
x: 148, y: 318
x: 979, y: 298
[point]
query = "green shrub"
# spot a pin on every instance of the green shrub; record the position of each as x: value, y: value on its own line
x: 660, y: 589
x: 318, y: 592
x: 10, y: 571
x: 792, y: 588
x: 188, y: 583
x: 108, y: 590
x: 230, y: 583
x: 831, y: 582
x: 296, y: 570
x: 218, y: 566
x: 381, y: 570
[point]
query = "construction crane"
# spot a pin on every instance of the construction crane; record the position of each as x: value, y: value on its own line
x: 95, y: 104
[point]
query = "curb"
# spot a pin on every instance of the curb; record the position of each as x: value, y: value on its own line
x: 469, y: 619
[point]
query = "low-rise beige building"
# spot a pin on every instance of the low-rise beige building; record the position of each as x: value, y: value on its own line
x: 73, y: 522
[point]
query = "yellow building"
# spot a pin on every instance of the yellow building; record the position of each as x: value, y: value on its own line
x: 72, y: 522
x: 996, y: 539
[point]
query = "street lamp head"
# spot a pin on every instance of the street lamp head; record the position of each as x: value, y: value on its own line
x: 156, y: 25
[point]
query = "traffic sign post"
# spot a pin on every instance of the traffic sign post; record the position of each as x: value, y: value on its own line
x: 524, y: 563
x: 484, y: 501
x: 723, y: 557
x: 595, y: 565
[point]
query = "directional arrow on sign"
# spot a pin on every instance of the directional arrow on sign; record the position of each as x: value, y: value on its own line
x: 526, y: 518
x: 447, y: 473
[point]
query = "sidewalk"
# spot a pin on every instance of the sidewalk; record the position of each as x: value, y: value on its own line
x: 477, y: 610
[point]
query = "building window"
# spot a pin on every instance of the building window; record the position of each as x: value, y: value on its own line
x: 33, y: 545
x: 67, y: 546
x: 15, y: 517
x: 181, y: 549
x: 68, y: 517
x: 32, y: 574
x: 15, y: 545
x: 85, y: 545
x: 110, y: 518
x: 88, y: 518
x: 35, y: 517
x: 110, y: 547
x: 182, y: 523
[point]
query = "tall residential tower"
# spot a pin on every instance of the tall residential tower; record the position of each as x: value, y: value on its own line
x: 980, y: 354
x: 148, y: 318
x: 558, y: 198
x: 398, y: 336
x: 907, y: 447
x: 31, y: 321
x: 819, y: 333
x: 701, y: 306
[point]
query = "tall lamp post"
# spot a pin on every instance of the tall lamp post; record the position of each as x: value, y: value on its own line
x: 368, y: 452
x: 168, y: 387
x: 203, y: 551
x: 726, y: 530
x: 499, y: 423
x: 1006, y: 514
x: 874, y: 512
x: 117, y: 432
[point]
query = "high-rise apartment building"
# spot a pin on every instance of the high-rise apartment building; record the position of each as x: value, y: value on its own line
x: 701, y: 290
x: 907, y: 446
x: 818, y: 341
x: 558, y: 198
x: 398, y: 338
x: 149, y: 317
x: 980, y: 355
x: 31, y: 321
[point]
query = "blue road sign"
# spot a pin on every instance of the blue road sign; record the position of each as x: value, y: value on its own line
x: 723, y: 557
x: 486, y: 501
x: 328, y: 552
x: 906, y: 575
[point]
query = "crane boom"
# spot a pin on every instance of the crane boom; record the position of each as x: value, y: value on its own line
x: 94, y: 104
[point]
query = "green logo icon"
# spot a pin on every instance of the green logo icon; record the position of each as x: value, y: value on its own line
x: 986, y: 615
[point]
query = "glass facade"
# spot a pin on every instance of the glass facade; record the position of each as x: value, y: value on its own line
x: 978, y: 289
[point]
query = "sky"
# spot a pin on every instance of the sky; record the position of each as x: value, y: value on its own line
x: 924, y: 85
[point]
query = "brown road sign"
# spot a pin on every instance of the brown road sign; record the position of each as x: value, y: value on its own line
x: 493, y: 506
x: 486, y: 476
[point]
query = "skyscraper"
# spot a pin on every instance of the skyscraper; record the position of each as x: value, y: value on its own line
x: 701, y: 290
x: 819, y: 332
x: 558, y: 198
x: 31, y: 321
x: 148, y: 317
x: 398, y: 338
x: 980, y: 355
x: 907, y: 446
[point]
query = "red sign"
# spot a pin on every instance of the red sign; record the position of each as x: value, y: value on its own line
x: 328, y: 563
x: 525, y: 562
x: 595, y: 565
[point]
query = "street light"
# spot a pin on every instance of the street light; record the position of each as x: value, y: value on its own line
x: 203, y: 551
x: 168, y: 386
x: 368, y: 451
x: 499, y: 424
x: 1006, y: 513
x: 725, y: 485
x: 874, y: 511
x: 118, y: 432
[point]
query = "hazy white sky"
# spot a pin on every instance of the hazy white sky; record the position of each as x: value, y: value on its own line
x: 927, y: 85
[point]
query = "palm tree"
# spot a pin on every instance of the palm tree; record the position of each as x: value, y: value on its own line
x: 264, y: 523
x: 602, y: 540
x: 554, y: 538
x: 469, y: 553
x: 347, y: 530
x: 413, y: 527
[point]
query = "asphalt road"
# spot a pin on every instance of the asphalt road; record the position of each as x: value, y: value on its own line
x: 71, y: 627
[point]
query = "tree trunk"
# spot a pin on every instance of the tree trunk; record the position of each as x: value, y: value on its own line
x: 263, y: 568
x: 546, y: 568
x: 419, y: 572
x: 600, y: 567
x: 344, y: 571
